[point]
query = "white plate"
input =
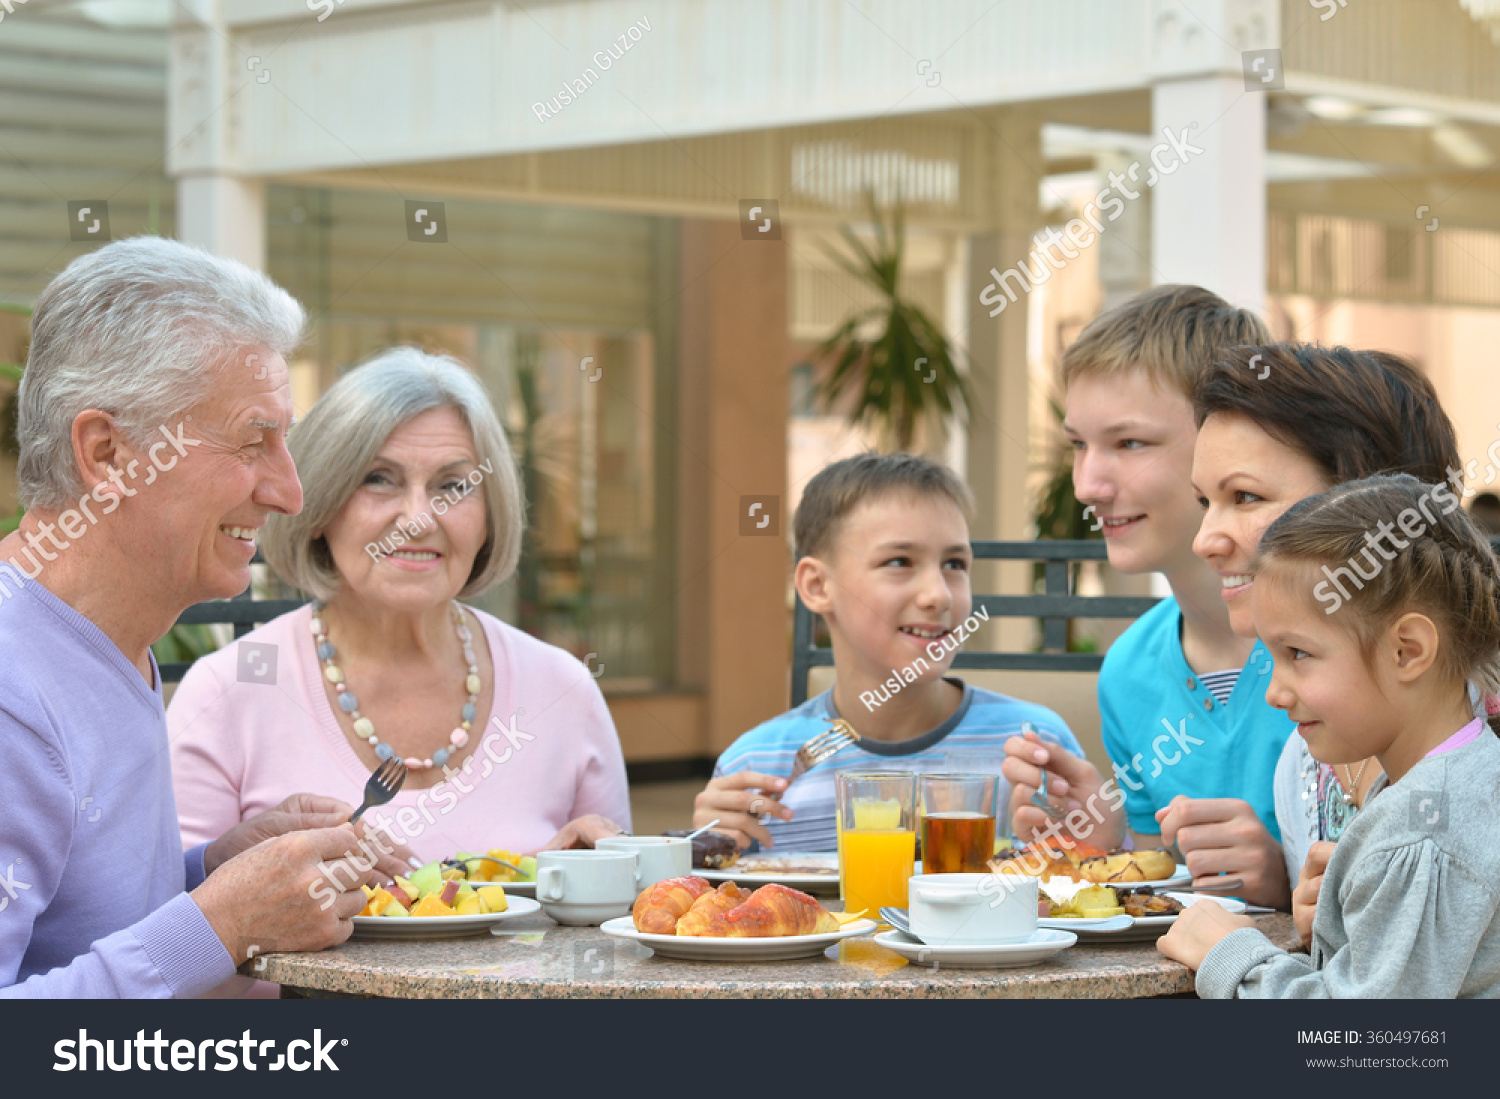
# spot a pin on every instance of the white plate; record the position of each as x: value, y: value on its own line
x: 693, y: 948
x: 757, y: 870
x: 512, y: 888
x: 1179, y: 877
x: 1151, y: 928
x: 1062, y: 923
x: 440, y: 927
x: 760, y: 869
x: 1042, y: 945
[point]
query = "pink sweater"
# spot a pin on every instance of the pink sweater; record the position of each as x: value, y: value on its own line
x: 239, y: 748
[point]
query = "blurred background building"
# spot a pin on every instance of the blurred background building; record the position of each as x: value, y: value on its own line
x: 622, y: 214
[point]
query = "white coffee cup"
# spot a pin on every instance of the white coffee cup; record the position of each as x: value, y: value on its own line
x: 585, y: 888
x: 657, y: 857
x: 972, y: 909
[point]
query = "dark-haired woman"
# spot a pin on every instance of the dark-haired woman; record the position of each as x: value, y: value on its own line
x: 1303, y: 419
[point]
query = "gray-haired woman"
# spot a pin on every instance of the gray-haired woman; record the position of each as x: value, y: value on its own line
x: 411, y: 501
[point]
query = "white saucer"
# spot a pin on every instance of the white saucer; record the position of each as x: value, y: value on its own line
x: 1038, y: 948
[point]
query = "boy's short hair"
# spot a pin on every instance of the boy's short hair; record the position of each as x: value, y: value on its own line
x: 1172, y: 332
x: 838, y: 488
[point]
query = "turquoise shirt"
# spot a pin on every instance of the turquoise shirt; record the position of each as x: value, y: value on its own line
x: 1167, y: 735
x: 971, y: 740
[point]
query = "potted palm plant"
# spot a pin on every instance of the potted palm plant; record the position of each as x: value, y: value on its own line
x: 907, y: 375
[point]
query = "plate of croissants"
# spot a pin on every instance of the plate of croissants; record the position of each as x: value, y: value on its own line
x: 688, y: 918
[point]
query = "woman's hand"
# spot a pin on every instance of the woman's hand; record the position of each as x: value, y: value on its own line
x: 1197, y: 931
x: 1071, y: 780
x: 737, y: 802
x: 1309, y: 882
x: 1224, y: 836
x: 583, y: 832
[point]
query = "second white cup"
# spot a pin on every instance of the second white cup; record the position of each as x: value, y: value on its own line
x: 657, y: 857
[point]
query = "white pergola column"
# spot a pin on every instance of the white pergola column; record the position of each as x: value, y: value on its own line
x: 1206, y: 167
x: 219, y: 208
x: 225, y: 215
x: 1208, y: 216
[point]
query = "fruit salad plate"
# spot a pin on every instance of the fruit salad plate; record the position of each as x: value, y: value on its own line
x: 1146, y: 928
x: 410, y: 928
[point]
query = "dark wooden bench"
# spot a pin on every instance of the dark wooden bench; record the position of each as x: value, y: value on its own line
x: 243, y: 612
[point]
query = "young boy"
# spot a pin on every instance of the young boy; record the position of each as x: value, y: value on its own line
x: 1182, y: 707
x: 885, y: 560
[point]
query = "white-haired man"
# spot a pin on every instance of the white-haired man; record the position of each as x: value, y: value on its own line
x: 153, y: 419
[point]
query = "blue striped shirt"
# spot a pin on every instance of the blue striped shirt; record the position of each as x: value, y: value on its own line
x: 972, y: 739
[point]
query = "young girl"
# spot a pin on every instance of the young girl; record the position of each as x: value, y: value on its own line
x: 1380, y: 602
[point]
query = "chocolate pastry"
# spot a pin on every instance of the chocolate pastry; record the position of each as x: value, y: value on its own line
x: 711, y: 850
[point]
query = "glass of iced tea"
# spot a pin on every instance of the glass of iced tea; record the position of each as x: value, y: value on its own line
x: 958, y: 822
x: 877, y: 838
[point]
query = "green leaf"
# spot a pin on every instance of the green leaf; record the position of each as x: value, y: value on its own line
x: 909, y: 372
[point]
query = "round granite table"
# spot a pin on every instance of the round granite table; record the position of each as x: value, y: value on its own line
x: 532, y: 957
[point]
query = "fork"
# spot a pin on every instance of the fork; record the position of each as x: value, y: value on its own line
x: 383, y: 785
x: 483, y: 858
x: 1040, y: 799
x: 832, y: 740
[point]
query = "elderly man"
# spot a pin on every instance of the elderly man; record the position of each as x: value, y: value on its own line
x: 153, y: 419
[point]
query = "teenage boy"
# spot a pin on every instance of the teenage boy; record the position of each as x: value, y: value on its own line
x: 1181, y: 704
x: 885, y: 560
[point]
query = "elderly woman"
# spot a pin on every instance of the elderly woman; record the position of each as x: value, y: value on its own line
x: 411, y: 501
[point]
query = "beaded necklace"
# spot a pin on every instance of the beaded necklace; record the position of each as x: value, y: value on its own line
x: 365, y: 728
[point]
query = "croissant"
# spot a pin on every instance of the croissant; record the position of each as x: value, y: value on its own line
x: 706, y: 917
x: 659, y: 907
x: 771, y: 911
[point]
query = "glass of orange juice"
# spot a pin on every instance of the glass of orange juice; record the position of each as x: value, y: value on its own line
x: 877, y: 837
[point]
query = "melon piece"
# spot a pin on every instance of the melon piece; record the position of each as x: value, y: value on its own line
x: 427, y: 880
x: 528, y: 868
x: 431, y: 905
x: 492, y: 898
x: 395, y: 908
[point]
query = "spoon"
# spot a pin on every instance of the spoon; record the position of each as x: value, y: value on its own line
x: 694, y: 835
x: 897, y: 918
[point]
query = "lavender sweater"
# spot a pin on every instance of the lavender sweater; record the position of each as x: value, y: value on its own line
x: 92, y: 872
